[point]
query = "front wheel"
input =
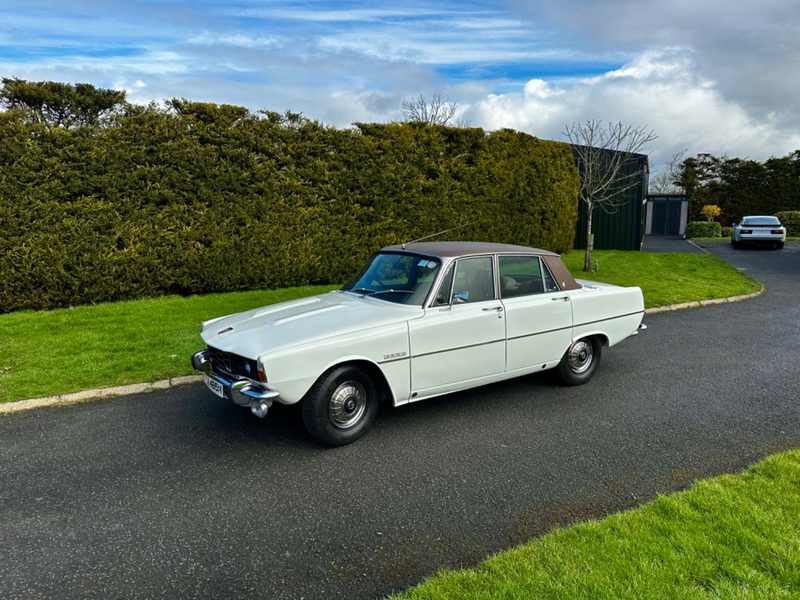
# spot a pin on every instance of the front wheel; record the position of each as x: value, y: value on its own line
x: 579, y: 362
x: 340, y: 406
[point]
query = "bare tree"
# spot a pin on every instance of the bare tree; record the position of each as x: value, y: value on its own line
x: 438, y: 111
x: 669, y: 181
x: 607, y: 165
x: 662, y: 183
x: 675, y: 167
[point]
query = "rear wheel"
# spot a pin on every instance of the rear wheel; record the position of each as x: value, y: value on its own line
x: 580, y: 361
x: 778, y: 245
x: 340, y: 406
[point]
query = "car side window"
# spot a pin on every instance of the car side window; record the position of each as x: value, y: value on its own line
x: 474, y: 280
x: 550, y: 284
x: 442, y: 297
x: 523, y: 276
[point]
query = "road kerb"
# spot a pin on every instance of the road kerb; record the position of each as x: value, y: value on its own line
x: 699, y: 303
x: 98, y: 394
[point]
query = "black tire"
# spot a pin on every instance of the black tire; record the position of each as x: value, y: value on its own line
x: 580, y: 361
x: 340, y: 406
x: 735, y: 244
x: 778, y: 245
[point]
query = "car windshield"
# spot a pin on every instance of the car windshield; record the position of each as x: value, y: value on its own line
x: 761, y: 221
x: 396, y: 277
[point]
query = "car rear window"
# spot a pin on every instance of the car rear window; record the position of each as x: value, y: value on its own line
x: 761, y: 221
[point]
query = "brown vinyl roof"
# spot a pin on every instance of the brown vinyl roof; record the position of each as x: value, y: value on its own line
x: 456, y: 249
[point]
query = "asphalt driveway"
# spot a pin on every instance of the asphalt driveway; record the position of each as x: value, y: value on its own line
x: 177, y: 494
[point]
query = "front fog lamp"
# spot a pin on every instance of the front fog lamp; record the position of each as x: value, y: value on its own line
x: 262, y: 374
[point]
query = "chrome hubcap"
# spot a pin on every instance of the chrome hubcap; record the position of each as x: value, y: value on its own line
x: 580, y: 356
x: 347, y: 405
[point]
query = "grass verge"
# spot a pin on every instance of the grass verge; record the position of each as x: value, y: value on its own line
x: 734, y: 536
x: 666, y: 278
x: 45, y: 353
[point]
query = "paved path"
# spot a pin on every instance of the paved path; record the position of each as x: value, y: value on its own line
x: 669, y: 243
x: 175, y: 494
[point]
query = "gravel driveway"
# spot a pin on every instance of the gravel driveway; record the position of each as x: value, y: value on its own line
x: 176, y: 494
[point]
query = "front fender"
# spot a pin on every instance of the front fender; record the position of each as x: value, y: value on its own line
x: 292, y: 371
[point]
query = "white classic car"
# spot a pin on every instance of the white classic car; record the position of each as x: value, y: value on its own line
x: 419, y: 320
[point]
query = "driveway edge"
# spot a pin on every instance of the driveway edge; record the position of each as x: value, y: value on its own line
x: 141, y: 388
x: 699, y: 303
x: 86, y: 396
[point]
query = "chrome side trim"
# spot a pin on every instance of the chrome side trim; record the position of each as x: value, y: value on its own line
x: 638, y: 312
x: 489, y: 343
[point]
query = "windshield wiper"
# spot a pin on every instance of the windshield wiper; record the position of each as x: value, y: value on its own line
x: 376, y: 292
x: 366, y: 291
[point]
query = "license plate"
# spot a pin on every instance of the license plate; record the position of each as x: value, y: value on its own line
x: 214, y: 385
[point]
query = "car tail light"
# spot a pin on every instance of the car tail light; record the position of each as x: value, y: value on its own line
x: 262, y: 374
x: 747, y: 231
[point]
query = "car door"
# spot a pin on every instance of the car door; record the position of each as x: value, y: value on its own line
x: 538, y: 314
x: 461, y: 337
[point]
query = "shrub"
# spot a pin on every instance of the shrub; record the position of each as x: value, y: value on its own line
x: 204, y: 198
x: 710, y: 212
x: 790, y: 220
x: 726, y: 231
x: 697, y: 229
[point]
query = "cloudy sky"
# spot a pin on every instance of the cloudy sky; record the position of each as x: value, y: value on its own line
x: 714, y: 76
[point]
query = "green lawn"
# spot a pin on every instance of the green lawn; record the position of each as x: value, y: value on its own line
x: 44, y: 353
x: 735, y: 536
x: 55, y: 352
x: 666, y: 278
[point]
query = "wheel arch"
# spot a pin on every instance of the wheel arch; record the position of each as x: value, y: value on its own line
x: 371, y: 369
x: 601, y: 337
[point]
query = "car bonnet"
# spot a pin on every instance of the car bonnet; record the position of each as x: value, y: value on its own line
x: 288, y: 324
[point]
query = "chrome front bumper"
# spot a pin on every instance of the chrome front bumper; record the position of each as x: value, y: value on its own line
x: 243, y: 392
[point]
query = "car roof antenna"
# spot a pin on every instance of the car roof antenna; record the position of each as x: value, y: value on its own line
x: 433, y: 235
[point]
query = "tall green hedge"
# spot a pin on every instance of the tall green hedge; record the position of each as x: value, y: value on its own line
x: 790, y: 220
x: 194, y: 198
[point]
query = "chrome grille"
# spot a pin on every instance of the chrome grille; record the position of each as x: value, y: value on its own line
x: 227, y: 363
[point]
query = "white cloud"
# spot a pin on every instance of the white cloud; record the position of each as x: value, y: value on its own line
x: 662, y: 91
x: 744, y: 58
x: 707, y: 77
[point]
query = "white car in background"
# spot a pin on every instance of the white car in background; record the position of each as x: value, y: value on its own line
x: 758, y: 230
x: 419, y: 320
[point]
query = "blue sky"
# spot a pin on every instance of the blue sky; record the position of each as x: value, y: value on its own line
x: 707, y: 76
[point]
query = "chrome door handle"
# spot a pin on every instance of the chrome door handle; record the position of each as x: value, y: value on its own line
x: 565, y: 298
x: 497, y: 308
